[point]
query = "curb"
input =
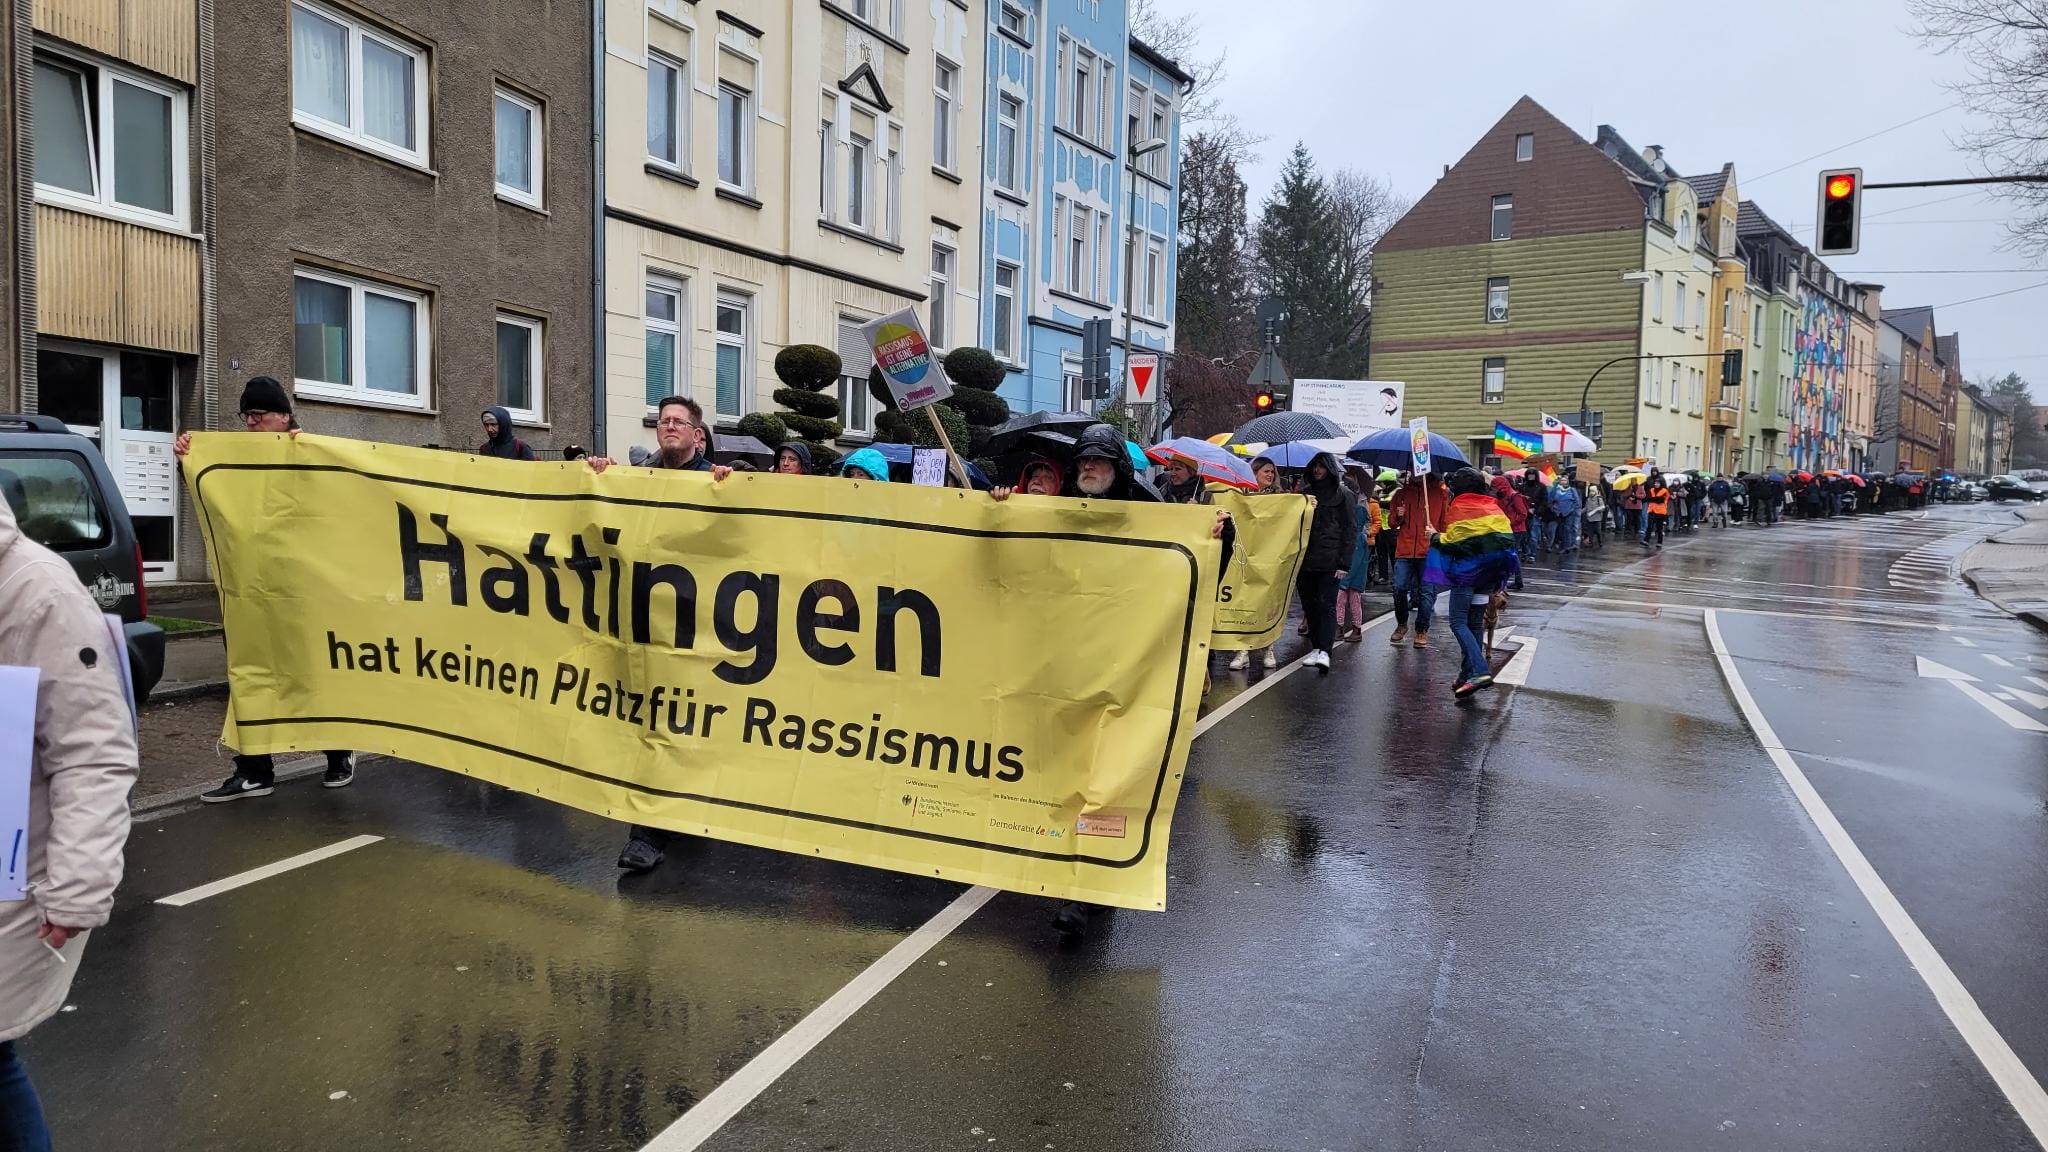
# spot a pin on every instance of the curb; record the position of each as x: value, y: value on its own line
x: 186, y: 691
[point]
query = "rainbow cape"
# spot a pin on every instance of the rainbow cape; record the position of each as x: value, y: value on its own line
x: 1474, y: 548
x: 1515, y: 444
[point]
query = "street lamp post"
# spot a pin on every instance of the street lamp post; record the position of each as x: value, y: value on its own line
x: 1138, y: 150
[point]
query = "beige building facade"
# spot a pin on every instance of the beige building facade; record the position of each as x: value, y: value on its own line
x: 780, y: 173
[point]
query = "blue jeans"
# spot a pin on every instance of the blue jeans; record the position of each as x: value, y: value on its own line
x: 22, y: 1128
x: 1468, y: 624
x: 1568, y: 532
x: 1411, y: 595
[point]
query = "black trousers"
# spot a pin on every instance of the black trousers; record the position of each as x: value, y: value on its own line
x: 1657, y: 521
x: 263, y: 769
x: 1318, y: 592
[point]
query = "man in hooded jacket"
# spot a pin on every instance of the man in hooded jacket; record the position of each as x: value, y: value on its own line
x: 498, y: 438
x: 793, y: 459
x: 81, y: 766
x: 1331, y: 537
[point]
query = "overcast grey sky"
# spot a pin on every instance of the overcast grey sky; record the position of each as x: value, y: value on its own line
x: 1400, y: 90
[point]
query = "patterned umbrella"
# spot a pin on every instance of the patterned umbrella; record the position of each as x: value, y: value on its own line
x: 1388, y: 448
x: 1213, y: 464
x: 1282, y: 427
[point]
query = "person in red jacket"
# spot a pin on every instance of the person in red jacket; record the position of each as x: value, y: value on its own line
x: 1516, y: 506
x: 1412, y: 523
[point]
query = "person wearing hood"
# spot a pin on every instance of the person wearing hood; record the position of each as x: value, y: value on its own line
x: 793, y: 459
x: 865, y: 464
x: 678, y: 437
x: 81, y: 765
x: 1331, y: 536
x: 1414, y: 515
x: 498, y: 438
x: 1515, y: 506
x: 1352, y: 579
x: 1594, y: 526
x: 1473, y: 554
x: 266, y: 407
x: 1566, y: 505
x: 1041, y: 476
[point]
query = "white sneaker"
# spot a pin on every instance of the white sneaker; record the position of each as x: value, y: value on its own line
x: 1316, y: 659
x: 1240, y: 662
x: 1271, y: 661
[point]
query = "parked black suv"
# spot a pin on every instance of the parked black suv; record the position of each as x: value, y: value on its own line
x: 2012, y: 488
x: 64, y: 498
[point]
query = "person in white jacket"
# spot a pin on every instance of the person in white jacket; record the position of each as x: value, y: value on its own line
x: 81, y: 766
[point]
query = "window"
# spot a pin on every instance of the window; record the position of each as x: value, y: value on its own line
x: 732, y: 354
x: 1157, y: 163
x: 1684, y: 224
x: 1678, y: 305
x: 665, y: 312
x: 1005, y: 335
x: 1072, y: 398
x: 1079, y: 109
x: 1727, y: 247
x: 1503, y: 217
x: 1525, y: 147
x: 519, y: 367
x: 1014, y: 20
x: 1756, y: 332
x: 945, y: 114
x: 667, y: 126
x: 109, y: 141
x: 856, y: 403
x: 1699, y: 314
x: 735, y: 136
x: 942, y: 296
x: 1657, y: 296
x: 1493, y: 380
x: 519, y: 149
x: 1727, y: 311
x: 357, y: 84
x: 857, y: 180
x: 1155, y: 279
x: 1497, y: 300
x: 1009, y: 114
x: 1080, y: 268
x: 1656, y: 394
x: 359, y: 340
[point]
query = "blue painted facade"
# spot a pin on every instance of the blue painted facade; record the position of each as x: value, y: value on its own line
x: 1057, y: 201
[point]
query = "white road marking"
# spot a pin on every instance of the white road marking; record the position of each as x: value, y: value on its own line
x: 2038, y: 682
x: 1873, y: 621
x: 1965, y: 641
x: 702, y: 1122
x: 2033, y: 699
x: 2013, y: 717
x: 241, y: 879
x: 1516, y: 674
x: 2020, y: 1088
x: 1928, y: 669
x: 1995, y: 658
x: 2002, y: 695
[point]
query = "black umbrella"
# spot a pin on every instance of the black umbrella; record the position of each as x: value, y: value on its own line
x: 1012, y: 431
x: 727, y: 448
x: 1286, y: 427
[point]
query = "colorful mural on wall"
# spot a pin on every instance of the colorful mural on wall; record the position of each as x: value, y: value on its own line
x: 1819, y: 385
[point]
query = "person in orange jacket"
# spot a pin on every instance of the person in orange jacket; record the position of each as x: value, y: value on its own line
x: 1412, y: 521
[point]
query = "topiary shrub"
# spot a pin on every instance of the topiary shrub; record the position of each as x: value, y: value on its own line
x: 767, y: 427
x: 976, y: 374
x: 914, y: 428
x: 806, y: 370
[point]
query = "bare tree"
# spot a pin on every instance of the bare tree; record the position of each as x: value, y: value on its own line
x: 2004, y: 45
x: 1362, y: 207
x: 1179, y: 38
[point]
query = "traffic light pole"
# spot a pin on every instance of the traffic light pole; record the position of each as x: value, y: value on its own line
x: 1586, y: 393
x: 1964, y: 180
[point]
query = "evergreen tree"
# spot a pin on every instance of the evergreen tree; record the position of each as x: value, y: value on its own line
x: 2029, y: 439
x: 1302, y: 259
x: 1213, y: 310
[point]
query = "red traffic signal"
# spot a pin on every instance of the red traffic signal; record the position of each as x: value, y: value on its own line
x: 1264, y: 400
x: 1841, y: 185
x: 1839, y: 214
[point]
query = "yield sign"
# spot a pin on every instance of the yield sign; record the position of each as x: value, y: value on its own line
x: 1143, y: 369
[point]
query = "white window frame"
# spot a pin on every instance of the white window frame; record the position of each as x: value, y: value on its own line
x: 946, y: 108
x: 536, y: 142
x: 1014, y: 20
x: 1498, y: 284
x: 1080, y: 235
x: 1678, y: 306
x: 1699, y: 304
x: 1655, y: 396
x: 352, y: 134
x: 99, y: 144
x: 1080, y: 89
x: 679, y: 370
x: 860, y: 161
x: 743, y: 147
x: 356, y: 392
x: 1525, y: 147
x: 1155, y: 278
x: 856, y: 403
x: 1159, y: 163
x: 678, y: 111
x: 1493, y: 230
x: 1010, y: 178
x: 732, y: 298
x: 1005, y: 341
x: 940, y: 285
x: 536, y: 366
x: 1657, y: 297
x: 1488, y: 368
x: 1071, y: 387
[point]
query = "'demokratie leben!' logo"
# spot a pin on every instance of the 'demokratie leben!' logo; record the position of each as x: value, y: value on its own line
x: 777, y: 661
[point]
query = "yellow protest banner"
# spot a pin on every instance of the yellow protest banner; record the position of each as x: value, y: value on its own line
x: 910, y: 678
x: 1272, y: 533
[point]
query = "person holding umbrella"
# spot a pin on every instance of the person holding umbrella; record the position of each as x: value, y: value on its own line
x: 1268, y: 476
x: 1418, y: 506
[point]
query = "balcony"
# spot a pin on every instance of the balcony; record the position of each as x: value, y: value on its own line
x: 1724, y: 416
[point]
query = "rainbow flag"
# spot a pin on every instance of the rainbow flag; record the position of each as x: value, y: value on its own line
x: 1515, y: 444
x: 1475, y: 548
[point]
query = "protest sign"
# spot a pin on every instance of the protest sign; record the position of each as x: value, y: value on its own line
x: 1272, y: 534
x: 913, y: 374
x: 928, y: 467
x: 17, y: 764
x: 922, y: 680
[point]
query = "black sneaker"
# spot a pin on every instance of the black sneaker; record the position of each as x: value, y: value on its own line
x: 236, y: 787
x: 640, y: 856
x: 340, y: 773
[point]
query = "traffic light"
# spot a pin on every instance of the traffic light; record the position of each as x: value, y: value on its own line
x: 1263, y: 401
x: 1840, y: 213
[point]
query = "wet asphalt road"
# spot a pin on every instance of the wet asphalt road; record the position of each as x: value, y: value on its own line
x: 1587, y: 913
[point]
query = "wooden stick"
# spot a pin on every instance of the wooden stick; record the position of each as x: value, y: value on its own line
x: 946, y: 442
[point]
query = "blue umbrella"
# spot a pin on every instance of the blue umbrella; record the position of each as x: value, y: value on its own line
x: 1388, y: 448
x: 1213, y: 464
x: 1139, y: 462
x: 1297, y: 453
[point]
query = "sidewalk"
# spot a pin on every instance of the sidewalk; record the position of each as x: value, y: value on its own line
x: 2011, y: 568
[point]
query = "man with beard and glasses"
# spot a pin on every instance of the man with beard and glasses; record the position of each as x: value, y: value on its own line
x: 677, y: 424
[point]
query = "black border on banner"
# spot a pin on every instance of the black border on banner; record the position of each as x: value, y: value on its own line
x: 1158, y: 783
x: 1300, y: 558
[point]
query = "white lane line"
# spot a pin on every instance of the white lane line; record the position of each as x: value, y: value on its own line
x: 702, y: 1122
x: 1516, y: 674
x: 2020, y: 1088
x: 2013, y: 717
x: 2039, y: 683
x: 1965, y: 641
x: 1995, y: 658
x: 241, y: 879
x: 2031, y: 699
x: 1661, y: 606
